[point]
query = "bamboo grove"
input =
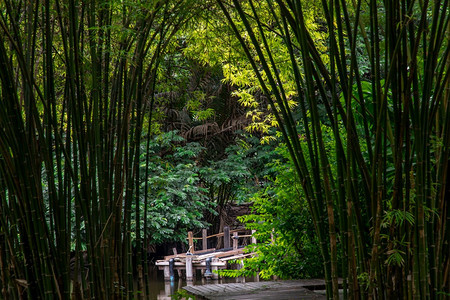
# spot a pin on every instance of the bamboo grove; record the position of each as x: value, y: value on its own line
x: 77, y: 79
x: 382, y: 212
x: 77, y: 83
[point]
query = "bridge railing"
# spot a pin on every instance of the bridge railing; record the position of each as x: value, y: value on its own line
x: 230, y: 238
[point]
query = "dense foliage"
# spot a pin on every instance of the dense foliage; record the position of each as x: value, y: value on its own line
x: 286, y: 243
x: 185, y: 191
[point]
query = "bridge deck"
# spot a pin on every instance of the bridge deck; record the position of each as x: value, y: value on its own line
x: 279, y: 290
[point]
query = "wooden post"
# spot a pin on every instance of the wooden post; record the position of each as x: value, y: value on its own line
x: 189, y: 271
x: 208, y: 272
x: 204, y: 239
x: 235, y: 240
x: 166, y: 273
x: 226, y: 237
x: 175, y: 252
x: 191, y: 242
x: 240, y: 279
x: 215, y: 276
x: 167, y: 290
x: 253, y: 237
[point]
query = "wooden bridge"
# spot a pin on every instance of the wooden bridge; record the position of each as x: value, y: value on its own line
x: 305, y: 289
x: 206, y: 260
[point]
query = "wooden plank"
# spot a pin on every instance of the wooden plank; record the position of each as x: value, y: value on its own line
x: 167, y: 257
x: 231, y: 231
x: 250, y: 286
x: 238, y: 256
x: 219, y: 254
x: 226, y: 237
x: 183, y: 255
x: 191, y: 242
x: 198, y: 252
x: 301, y: 293
x: 293, y: 289
x: 220, y: 234
x: 204, y: 239
x: 235, y: 240
x: 229, y: 253
x: 232, y: 288
x: 244, y: 235
x: 196, y: 264
x: 205, y: 256
x: 189, y: 269
x: 204, y: 289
